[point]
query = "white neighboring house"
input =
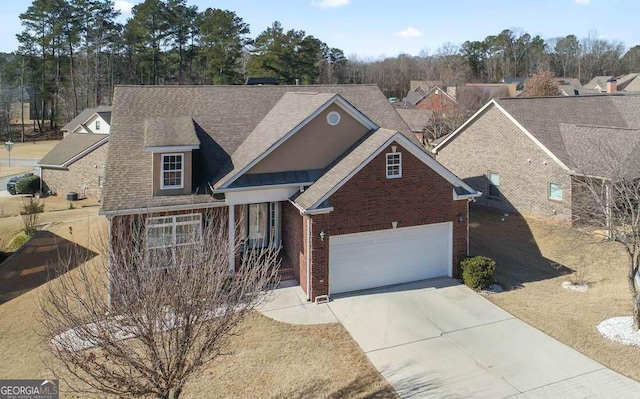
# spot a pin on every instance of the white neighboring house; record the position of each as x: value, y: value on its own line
x: 77, y: 163
x: 91, y: 120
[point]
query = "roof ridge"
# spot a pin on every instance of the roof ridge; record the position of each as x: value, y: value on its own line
x: 600, y: 126
x: 248, y: 86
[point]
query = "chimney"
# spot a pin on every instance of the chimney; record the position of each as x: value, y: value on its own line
x: 612, y: 85
x: 452, y: 91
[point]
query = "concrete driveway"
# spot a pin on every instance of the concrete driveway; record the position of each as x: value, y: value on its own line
x: 439, y: 339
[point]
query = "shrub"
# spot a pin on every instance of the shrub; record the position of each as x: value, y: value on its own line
x: 30, y: 212
x: 477, y: 272
x: 17, y: 241
x: 28, y: 185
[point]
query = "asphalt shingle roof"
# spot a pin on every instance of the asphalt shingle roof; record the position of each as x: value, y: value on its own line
x: 601, y: 151
x: 70, y: 146
x: 542, y: 116
x: 224, y: 117
x: 417, y: 119
x: 162, y: 132
x: 103, y: 110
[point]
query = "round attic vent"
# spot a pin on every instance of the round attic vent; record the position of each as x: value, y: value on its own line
x: 333, y: 118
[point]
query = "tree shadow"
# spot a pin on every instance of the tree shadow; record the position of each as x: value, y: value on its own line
x: 508, y: 239
x: 36, y: 262
x: 498, y: 231
x: 405, y: 387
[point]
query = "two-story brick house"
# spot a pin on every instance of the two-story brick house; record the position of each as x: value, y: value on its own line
x: 331, y: 175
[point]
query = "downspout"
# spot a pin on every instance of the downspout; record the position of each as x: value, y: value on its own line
x: 468, y: 202
x: 308, y: 250
x: 110, y: 235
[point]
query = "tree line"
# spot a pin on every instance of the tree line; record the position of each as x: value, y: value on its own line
x: 73, y: 52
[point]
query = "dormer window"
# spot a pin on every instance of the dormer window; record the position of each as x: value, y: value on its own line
x: 172, y: 176
x: 394, y: 165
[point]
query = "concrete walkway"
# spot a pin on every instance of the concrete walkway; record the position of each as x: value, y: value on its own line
x: 437, y: 338
x: 289, y: 304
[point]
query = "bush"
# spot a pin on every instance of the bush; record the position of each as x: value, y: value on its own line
x: 17, y: 241
x: 28, y: 185
x: 477, y: 272
x: 31, y: 210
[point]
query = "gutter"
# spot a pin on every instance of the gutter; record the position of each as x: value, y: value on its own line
x: 311, y: 211
x: 160, y: 208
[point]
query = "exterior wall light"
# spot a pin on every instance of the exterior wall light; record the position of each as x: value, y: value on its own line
x: 322, y: 234
x: 460, y: 218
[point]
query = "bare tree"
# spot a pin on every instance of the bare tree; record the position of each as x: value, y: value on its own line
x: 143, y: 319
x: 540, y: 85
x: 606, y: 195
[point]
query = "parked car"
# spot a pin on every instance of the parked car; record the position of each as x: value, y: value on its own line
x: 11, y: 184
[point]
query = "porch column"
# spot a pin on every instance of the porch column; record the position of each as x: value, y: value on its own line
x: 232, y: 240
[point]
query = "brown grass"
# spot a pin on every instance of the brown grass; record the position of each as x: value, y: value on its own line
x: 268, y: 359
x: 30, y: 150
x: 11, y: 222
x: 534, y: 258
x: 6, y: 170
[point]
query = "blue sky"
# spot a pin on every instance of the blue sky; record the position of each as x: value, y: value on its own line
x: 373, y: 28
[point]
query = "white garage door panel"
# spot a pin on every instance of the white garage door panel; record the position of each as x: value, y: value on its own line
x: 374, y: 259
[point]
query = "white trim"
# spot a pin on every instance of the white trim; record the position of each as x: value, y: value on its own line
x: 162, y: 208
x: 232, y: 238
x: 182, y: 171
x: 266, y: 187
x: 535, y: 140
x: 197, y: 221
x: 71, y: 160
x: 415, y: 151
x: 394, y: 153
x: 311, y: 211
x: 451, y: 136
x: 87, y: 151
x: 337, y: 100
x: 308, y: 250
x: 444, y: 91
x: 457, y: 196
x: 172, y: 148
x: 337, y: 115
x: 462, y: 127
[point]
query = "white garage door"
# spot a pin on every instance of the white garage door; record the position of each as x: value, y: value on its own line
x: 375, y: 259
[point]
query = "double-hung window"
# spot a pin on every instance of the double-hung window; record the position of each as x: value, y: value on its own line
x: 171, y: 238
x: 172, y: 176
x: 98, y: 125
x: 394, y: 165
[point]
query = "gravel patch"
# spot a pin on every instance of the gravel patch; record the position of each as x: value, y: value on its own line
x: 620, y: 329
x: 493, y: 289
x: 567, y: 285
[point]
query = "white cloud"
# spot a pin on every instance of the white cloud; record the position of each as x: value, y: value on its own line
x: 409, y: 33
x: 582, y: 2
x: 123, y: 6
x: 331, y: 3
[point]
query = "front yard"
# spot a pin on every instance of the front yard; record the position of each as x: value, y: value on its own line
x: 534, y: 258
x: 269, y: 358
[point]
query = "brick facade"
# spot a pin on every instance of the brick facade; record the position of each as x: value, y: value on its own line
x: 81, y: 177
x: 492, y: 143
x: 440, y: 103
x: 369, y: 201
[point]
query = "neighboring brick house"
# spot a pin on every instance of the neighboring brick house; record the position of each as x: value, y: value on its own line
x: 524, y: 153
x: 331, y: 175
x: 435, y: 100
x: 77, y: 163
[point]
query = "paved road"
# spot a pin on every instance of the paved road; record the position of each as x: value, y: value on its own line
x: 19, y: 161
x: 437, y: 339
